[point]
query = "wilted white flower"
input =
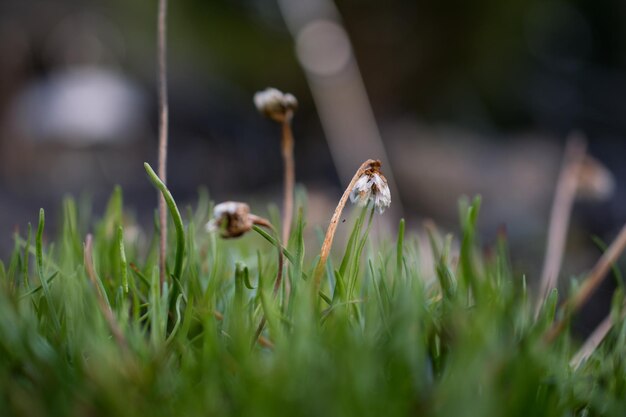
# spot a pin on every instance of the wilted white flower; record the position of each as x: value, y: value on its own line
x: 372, y: 186
x: 232, y: 218
x: 275, y: 104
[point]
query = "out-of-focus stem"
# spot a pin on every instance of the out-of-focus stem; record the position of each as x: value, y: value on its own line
x: 593, y: 341
x: 590, y: 284
x: 163, y: 129
x: 562, y: 205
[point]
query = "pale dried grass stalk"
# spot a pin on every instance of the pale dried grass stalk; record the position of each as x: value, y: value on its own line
x: 163, y: 130
x: 562, y: 205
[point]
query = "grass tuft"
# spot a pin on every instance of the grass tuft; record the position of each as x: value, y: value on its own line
x: 382, y: 336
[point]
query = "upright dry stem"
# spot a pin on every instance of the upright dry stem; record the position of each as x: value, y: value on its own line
x: 289, y: 185
x: 332, y: 227
x: 163, y: 128
x: 562, y: 205
x: 104, y: 308
x: 289, y: 176
x: 594, y: 278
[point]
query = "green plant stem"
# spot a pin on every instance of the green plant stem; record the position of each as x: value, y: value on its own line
x: 178, y: 221
x: 39, y: 260
x: 103, y: 303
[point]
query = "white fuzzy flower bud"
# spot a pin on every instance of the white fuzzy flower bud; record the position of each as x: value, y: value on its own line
x: 372, y: 186
x: 275, y: 104
x: 231, y: 218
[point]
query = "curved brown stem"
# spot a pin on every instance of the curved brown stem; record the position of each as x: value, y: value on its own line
x: 332, y: 227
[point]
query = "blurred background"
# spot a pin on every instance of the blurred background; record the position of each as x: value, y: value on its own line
x: 456, y: 97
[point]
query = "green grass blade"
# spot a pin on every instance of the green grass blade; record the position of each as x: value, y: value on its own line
x: 122, y: 256
x: 39, y: 260
x: 178, y: 221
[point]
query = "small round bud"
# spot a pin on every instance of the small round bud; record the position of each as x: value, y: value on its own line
x: 275, y: 104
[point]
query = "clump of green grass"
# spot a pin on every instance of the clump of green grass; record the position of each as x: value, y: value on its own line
x: 86, y: 330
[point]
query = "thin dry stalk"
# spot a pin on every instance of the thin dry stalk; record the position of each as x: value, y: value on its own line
x: 289, y: 175
x: 593, y: 341
x: 289, y: 186
x: 163, y: 129
x: 589, y: 285
x: 560, y: 215
x: 104, y: 308
x: 600, y: 270
x: 332, y: 227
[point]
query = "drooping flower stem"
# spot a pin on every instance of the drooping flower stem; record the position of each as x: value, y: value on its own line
x: 332, y: 227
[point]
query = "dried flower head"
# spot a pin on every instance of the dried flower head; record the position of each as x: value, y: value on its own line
x: 595, y: 181
x: 372, y: 186
x: 275, y: 104
x: 231, y: 218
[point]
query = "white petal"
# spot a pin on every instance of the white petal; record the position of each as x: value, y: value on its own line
x: 268, y: 98
x: 227, y: 207
x: 381, y: 202
x: 362, y: 191
x: 382, y: 198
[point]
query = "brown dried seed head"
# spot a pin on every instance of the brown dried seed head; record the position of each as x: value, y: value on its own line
x: 231, y: 218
